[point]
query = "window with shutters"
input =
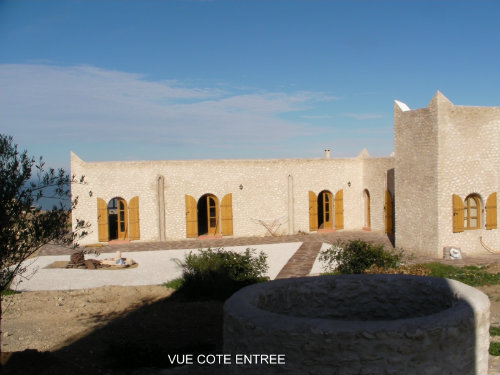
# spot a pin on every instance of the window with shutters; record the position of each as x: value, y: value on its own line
x: 207, y: 217
x: 118, y: 220
x: 472, y: 212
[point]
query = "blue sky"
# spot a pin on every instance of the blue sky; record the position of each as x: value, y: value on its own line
x: 159, y: 80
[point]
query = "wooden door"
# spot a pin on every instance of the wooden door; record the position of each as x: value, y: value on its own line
x: 327, y: 209
x: 339, y: 209
x: 191, y: 217
x: 313, y: 211
x: 491, y: 212
x: 102, y: 220
x: 134, y: 223
x: 122, y: 219
x: 212, y: 215
x: 227, y: 215
x: 389, y: 216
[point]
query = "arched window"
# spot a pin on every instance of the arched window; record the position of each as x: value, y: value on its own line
x: 202, y: 216
x: 118, y: 220
x: 472, y: 212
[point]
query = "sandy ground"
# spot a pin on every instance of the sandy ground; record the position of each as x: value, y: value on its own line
x: 113, y: 329
x: 89, y: 325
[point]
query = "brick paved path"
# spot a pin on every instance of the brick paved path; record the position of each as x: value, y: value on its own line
x: 299, y: 265
x: 301, y: 262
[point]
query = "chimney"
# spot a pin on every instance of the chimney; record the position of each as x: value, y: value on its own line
x: 327, y: 154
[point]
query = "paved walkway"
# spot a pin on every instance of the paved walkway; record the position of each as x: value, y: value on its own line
x: 299, y: 265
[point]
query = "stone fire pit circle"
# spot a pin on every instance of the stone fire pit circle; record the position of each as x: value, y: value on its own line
x: 360, y: 324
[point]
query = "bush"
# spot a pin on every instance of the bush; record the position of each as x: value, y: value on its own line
x: 219, y: 273
x: 495, y: 348
x: 355, y: 257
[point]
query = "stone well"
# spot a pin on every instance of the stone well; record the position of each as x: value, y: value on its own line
x: 360, y: 324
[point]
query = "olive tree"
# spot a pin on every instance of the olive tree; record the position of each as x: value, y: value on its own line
x: 24, y: 225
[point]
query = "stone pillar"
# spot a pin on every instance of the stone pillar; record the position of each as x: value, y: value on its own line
x: 161, y: 208
x: 291, y: 228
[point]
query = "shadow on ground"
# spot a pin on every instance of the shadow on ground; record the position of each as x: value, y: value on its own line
x: 138, y: 339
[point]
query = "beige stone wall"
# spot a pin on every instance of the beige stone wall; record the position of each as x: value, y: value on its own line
x: 443, y: 150
x: 265, y: 193
x: 416, y: 165
x: 377, y: 179
x: 440, y: 150
x: 469, y: 162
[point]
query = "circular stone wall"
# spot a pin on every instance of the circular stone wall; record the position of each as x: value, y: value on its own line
x: 360, y: 324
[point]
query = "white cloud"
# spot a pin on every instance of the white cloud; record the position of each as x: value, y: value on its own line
x: 363, y: 116
x: 87, y: 103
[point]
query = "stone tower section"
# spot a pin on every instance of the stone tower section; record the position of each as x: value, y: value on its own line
x: 416, y: 164
x: 446, y: 152
x: 469, y: 168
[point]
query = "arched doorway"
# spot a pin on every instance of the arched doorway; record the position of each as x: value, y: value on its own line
x: 208, y: 215
x: 325, y: 208
x: 117, y: 219
x: 366, y: 199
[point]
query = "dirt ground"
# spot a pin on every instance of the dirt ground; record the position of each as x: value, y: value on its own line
x: 118, y: 330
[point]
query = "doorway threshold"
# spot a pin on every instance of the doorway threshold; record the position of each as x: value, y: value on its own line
x: 118, y: 242
x: 210, y: 237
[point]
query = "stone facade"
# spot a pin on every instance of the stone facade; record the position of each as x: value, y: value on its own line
x: 439, y: 151
x: 443, y: 150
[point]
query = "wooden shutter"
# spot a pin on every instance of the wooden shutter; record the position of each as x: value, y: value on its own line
x: 313, y: 211
x: 458, y: 214
x: 227, y: 215
x: 339, y: 209
x: 491, y: 212
x: 134, y: 228
x: 389, y: 216
x: 191, y: 217
x: 102, y: 220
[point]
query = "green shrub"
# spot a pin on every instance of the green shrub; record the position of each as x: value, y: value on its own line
x: 495, y: 348
x: 495, y: 331
x: 357, y: 256
x: 9, y: 292
x: 470, y: 275
x: 175, y: 283
x: 216, y: 273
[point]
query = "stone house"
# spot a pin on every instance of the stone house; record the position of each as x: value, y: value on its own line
x: 439, y: 189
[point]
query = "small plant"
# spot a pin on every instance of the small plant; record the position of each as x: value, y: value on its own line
x: 9, y: 292
x: 218, y: 273
x: 495, y: 348
x: 495, y: 331
x: 175, y: 283
x: 355, y: 257
x: 470, y: 275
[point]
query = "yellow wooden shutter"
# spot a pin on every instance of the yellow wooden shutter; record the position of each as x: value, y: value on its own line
x: 191, y: 217
x: 227, y: 215
x: 313, y: 211
x: 102, y: 220
x: 339, y: 209
x: 134, y: 228
x: 389, y: 215
x: 491, y: 212
x: 458, y: 214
